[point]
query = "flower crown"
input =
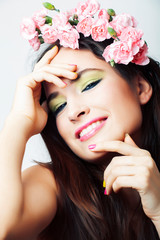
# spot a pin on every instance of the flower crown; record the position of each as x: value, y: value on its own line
x: 66, y: 27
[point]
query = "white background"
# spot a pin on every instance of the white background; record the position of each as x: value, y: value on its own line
x: 14, y: 50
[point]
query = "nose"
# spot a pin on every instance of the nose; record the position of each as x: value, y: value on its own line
x: 77, y: 112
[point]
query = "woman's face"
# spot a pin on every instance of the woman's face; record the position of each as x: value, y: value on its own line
x: 98, y: 106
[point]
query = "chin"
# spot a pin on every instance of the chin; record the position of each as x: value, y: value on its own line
x: 96, y: 157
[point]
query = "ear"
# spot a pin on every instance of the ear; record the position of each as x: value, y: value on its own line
x: 144, y: 90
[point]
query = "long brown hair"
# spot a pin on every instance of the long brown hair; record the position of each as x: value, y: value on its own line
x: 84, y: 212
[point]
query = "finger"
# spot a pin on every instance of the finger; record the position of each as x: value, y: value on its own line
x: 59, y: 72
x: 125, y: 182
x: 129, y: 161
x: 47, y: 58
x: 37, y: 77
x: 120, y: 161
x: 71, y: 67
x: 117, y: 172
x: 138, y: 182
x: 118, y: 147
x: 129, y: 140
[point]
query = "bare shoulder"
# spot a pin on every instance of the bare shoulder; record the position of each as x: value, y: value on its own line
x: 40, y: 202
x: 40, y: 173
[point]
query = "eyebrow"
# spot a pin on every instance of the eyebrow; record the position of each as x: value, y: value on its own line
x: 55, y: 94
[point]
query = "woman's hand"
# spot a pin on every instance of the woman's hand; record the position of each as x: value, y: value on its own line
x: 135, y: 169
x: 26, y: 104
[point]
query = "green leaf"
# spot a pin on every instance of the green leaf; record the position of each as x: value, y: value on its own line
x: 110, y: 18
x: 41, y: 39
x: 38, y: 30
x: 111, y: 12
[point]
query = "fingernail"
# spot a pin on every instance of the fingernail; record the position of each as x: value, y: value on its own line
x: 72, y: 64
x: 65, y: 83
x: 92, y: 146
x: 104, y: 183
x: 105, y: 191
x: 76, y: 75
x: 54, y: 46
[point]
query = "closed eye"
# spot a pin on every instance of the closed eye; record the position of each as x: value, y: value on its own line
x: 91, y: 85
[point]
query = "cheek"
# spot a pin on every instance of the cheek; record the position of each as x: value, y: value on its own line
x: 128, y: 114
x: 123, y: 107
x: 60, y: 126
x: 63, y: 128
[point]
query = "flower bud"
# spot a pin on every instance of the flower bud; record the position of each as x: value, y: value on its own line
x: 73, y: 22
x: 50, y: 6
x: 112, y: 32
x: 111, y: 12
x: 112, y: 62
x: 48, y: 20
x: 75, y: 17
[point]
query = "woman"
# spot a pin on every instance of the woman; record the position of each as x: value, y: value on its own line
x: 101, y: 127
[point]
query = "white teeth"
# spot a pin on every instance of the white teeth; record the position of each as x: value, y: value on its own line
x: 94, y: 125
x: 89, y: 128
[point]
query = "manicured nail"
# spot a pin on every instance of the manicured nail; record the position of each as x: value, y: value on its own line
x: 73, y: 65
x: 105, y: 191
x: 104, y: 183
x: 92, y: 146
x: 54, y: 46
x: 76, y: 75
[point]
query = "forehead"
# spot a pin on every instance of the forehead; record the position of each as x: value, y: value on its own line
x: 82, y: 58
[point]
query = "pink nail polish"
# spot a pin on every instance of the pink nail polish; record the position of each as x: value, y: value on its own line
x: 92, y: 146
x: 105, y: 192
x: 73, y: 65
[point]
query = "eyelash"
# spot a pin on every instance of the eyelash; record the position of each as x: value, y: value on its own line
x: 60, y: 108
x: 88, y: 87
x: 91, y: 85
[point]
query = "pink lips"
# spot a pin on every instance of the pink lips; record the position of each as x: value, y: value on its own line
x: 93, y: 131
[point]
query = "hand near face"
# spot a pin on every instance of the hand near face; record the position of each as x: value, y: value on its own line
x: 136, y: 169
x: 26, y: 104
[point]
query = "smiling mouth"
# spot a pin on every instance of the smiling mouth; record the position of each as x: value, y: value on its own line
x: 90, y: 129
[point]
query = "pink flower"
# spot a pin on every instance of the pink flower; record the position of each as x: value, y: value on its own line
x: 60, y: 20
x: 35, y: 43
x: 88, y: 8
x: 103, y: 14
x: 100, y: 30
x: 69, y: 38
x: 140, y: 58
x: 49, y: 33
x: 120, y: 22
x: 118, y: 51
x: 39, y: 17
x: 133, y: 35
x: 28, y: 29
x: 85, y: 26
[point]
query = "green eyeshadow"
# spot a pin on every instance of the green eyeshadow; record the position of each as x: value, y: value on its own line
x: 56, y: 102
x: 88, y: 77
